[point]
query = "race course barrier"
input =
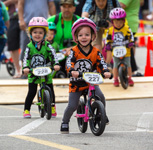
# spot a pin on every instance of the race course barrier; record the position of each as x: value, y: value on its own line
x: 15, y: 91
x: 149, y: 60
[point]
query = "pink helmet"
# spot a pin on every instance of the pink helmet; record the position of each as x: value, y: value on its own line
x: 81, y: 22
x: 117, y: 13
x: 38, y: 22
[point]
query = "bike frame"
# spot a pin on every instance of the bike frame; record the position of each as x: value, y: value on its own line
x: 91, y: 94
x: 43, y: 86
x: 121, y: 63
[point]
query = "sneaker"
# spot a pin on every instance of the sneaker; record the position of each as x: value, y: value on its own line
x: 130, y: 81
x: 54, y: 114
x: 116, y: 82
x: 64, y: 128
x: 26, y: 114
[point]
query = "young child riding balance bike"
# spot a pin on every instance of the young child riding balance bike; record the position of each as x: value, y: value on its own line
x: 119, y: 36
x: 83, y: 58
x: 38, y: 54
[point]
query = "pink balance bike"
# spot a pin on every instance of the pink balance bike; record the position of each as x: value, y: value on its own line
x: 91, y: 109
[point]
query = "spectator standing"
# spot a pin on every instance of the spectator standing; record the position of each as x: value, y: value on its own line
x: 14, y: 34
x: 4, y: 24
x: 132, y: 11
x: 79, y: 5
x: 98, y: 11
x: 63, y: 22
x: 29, y: 9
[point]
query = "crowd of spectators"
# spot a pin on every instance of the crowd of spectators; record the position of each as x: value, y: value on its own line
x: 21, y: 11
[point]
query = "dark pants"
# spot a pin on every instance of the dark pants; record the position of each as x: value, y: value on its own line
x: 2, y: 45
x: 133, y: 62
x: 32, y: 93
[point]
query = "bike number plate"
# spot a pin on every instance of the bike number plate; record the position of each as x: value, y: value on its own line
x: 119, y: 51
x: 60, y: 56
x: 93, y: 78
x: 41, y: 71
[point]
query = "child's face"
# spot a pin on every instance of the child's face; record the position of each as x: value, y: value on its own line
x: 51, y: 34
x: 38, y: 34
x: 101, y: 3
x: 84, y: 36
x: 118, y: 23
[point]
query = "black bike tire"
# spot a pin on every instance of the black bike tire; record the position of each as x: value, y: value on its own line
x: 41, y: 111
x: 100, y: 115
x: 10, y: 68
x: 81, y: 110
x: 60, y: 74
x: 47, y: 104
x: 122, y: 71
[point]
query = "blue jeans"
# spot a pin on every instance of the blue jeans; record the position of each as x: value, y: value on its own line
x: 2, y: 45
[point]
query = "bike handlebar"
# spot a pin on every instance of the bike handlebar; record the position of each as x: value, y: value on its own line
x: 81, y: 74
x: 30, y: 70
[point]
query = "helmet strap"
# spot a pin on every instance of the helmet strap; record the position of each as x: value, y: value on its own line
x: 37, y: 43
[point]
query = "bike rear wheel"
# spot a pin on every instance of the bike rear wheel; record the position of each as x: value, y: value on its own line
x: 10, y: 68
x: 81, y: 110
x: 47, y: 104
x: 98, y: 120
x: 123, y: 76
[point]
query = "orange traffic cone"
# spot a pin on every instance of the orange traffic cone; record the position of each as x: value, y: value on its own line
x: 149, y: 61
x: 142, y: 38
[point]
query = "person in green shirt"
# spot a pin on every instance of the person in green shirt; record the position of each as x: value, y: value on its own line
x: 131, y: 8
x: 63, y: 22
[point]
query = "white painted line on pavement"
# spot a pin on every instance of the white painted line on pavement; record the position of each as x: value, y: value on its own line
x: 29, y: 127
x: 144, y: 121
x: 58, y: 133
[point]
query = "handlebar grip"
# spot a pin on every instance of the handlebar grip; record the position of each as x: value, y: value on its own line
x: 111, y: 76
x: 70, y: 74
x: 30, y: 70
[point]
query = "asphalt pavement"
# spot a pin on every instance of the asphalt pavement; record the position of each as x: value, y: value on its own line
x: 130, y: 128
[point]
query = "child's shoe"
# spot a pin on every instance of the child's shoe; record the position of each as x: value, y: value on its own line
x: 64, y: 128
x: 130, y: 81
x: 54, y: 114
x: 116, y: 82
x: 26, y: 114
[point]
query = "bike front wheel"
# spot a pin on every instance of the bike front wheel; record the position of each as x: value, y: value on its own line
x: 98, y: 120
x: 40, y: 108
x: 60, y: 74
x: 81, y: 110
x: 123, y: 76
x: 47, y: 104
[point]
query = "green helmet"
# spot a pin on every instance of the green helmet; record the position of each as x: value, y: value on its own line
x: 51, y: 26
